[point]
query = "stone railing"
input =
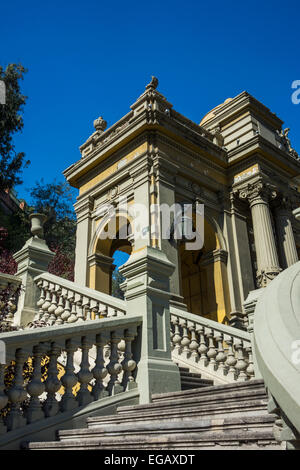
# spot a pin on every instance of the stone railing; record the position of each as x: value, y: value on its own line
x: 9, y: 294
x: 217, y: 351
x: 106, y: 367
x: 63, y: 301
x: 277, y: 350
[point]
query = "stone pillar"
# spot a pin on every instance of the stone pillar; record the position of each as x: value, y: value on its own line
x: 286, y: 242
x: 258, y: 194
x: 101, y: 268
x: 147, y: 292
x: 83, y: 237
x: 164, y: 186
x: 33, y: 259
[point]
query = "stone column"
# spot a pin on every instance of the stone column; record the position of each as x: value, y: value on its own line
x: 286, y: 242
x: 147, y: 293
x: 83, y: 210
x: 33, y: 259
x: 258, y: 195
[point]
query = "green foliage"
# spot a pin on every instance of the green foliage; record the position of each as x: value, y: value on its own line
x: 117, y: 279
x: 11, y: 121
x: 55, y: 201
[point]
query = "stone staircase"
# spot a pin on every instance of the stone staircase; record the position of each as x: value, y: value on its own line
x: 190, y: 380
x: 231, y: 416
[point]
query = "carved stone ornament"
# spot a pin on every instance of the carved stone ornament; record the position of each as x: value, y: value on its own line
x: 153, y: 84
x: 264, y: 276
x: 285, y: 142
x: 100, y: 124
x: 257, y: 189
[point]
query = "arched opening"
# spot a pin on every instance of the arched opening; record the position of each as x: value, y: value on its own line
x: 204, y: 283
x: 111, y: 248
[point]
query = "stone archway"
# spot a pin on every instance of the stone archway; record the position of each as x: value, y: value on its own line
x: 109, y: 237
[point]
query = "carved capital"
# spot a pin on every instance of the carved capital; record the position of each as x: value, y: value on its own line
x: 258, y: 191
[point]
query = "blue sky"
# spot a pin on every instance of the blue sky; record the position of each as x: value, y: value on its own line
x: 91, y: 58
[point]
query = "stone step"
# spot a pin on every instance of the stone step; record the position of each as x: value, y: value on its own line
x: 253, y: 407
x: 215, y: 389
x: 225, y: 416
x: 256, y: 430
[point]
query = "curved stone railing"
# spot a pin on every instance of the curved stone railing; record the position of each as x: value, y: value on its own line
x: 9, y: 293
x: 217, y: 351
x: 106, y: 367
x: 277, y: 347
x: 63, y: 301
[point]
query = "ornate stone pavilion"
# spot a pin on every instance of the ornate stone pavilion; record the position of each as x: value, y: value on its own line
x: 204, y: 350
x: 238, y: 162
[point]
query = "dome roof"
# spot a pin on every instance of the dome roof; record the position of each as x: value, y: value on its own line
x: 211, y: 114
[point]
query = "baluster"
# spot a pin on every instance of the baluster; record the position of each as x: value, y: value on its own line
x: 231, y: 360
x: 85, y: 375
x: 185, y: 340
x: 176, y: 340
x: 67, y: 308
x: 17, y: 394
x: 194, y: 343
x: 129, y: 363
x: 3, y: 397
x: 47, y: 302
x: 95, y: 310
x: 60, y: 307
x: 110, y: 312
x: 35, y: 387
x: 114, y: 367
x: 53, y: 306
x: 103, y: 311
x: 100, y: 371
x: 52, y: 383
x: 220, y: 357
x: 69, y: 379
x: 241, y: 364
x: 87, y: 309
x: 41, y: 300
x: 211, y: 353
x: 250, y: 368
x: 78, y: 303
x: 73, y: 316
x: 202, y: 350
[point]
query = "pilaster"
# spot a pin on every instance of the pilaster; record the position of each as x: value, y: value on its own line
x: 147, y: 292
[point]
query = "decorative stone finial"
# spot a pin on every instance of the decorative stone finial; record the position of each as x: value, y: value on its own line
x: 153, y: 84
x: 100, y: 124
x: 37, y: 221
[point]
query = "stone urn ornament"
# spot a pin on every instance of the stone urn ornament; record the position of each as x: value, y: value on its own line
x: 37, y: 221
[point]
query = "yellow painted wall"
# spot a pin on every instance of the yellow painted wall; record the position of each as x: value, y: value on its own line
x: 112, y: 168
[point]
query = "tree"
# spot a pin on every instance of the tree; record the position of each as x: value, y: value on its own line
x: 55, y: 201
x: 11, y: 121
x: 117, y: 279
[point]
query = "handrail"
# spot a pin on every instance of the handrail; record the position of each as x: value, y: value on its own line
x: 225, y: 329
x: 222, y: 352
x: 62, y: 301
x: 105, y: 366
x: 277, y: 341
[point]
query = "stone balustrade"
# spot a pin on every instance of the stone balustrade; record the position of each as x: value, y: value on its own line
x: 106, y: 367
x: 219, y: 350
x: 63, y: 301
x: 9, y: 293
